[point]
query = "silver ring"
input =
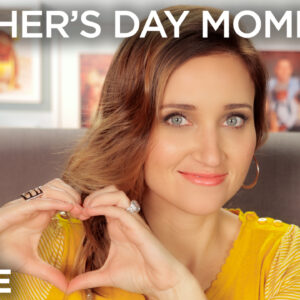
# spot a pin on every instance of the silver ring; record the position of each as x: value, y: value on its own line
x: 64, y: 214
x: 134, y: 207
x: 31, y: 194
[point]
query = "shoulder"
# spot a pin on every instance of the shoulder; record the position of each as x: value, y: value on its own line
x: 294, y: 81
x: 260, y: 235
x: 290, y: 244
x: 265, y: 224
x: 276, y: 245
x: 253, y: 222
x: 288, y: 252
x: 284, y: 277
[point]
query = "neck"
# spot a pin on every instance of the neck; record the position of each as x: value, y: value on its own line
x: 190, y: 238
x: 284, y: 80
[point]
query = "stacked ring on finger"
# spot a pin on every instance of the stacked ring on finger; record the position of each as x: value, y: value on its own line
x: 37, y: 192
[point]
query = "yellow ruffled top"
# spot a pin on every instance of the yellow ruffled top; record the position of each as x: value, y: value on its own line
x: 263, y: 264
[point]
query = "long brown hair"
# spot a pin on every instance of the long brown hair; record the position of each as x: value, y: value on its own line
x: 113, y: 151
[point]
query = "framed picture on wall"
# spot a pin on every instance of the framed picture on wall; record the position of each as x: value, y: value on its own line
x: 283, y: 98
x: 93, y: 68
x: 20, y: 66
x: 82, y: 69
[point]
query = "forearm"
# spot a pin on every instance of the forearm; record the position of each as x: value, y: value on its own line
x: 187, y: 289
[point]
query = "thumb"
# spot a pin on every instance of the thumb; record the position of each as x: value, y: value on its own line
x: 48, y: 273
x: 90, y: 279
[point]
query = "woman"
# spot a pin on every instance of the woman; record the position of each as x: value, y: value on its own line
x: 177, y: 126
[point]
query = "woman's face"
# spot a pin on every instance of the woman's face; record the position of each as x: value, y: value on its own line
x: 206, y: 127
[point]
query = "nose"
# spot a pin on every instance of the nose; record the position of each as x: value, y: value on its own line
x: 208, y: 147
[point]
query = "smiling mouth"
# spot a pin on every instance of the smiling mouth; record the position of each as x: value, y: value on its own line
x: 206, y: 175
x: 207, y: 179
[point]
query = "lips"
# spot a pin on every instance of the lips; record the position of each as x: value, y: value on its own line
x: 208, y: 179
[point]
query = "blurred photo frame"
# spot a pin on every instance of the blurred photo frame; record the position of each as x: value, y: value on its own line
x: 20, y: 66
x: 283, y: 94
x: 93, y: 69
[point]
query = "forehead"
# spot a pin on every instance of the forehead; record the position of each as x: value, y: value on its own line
x: 218, y: 77
x: 284, y: 63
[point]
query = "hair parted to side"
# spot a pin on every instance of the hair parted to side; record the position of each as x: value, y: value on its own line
x: 113, y: 151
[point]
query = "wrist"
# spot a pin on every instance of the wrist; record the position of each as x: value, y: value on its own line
x: 187, y: 288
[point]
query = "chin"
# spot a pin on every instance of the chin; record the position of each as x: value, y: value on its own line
x: 200, y: 204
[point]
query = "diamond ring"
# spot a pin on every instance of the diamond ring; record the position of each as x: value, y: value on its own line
x: 134, y: 207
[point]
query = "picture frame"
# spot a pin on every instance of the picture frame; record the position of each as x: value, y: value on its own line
x: 28, y: 87
x: 20, y: 66
x: 93, y: 69
x: 72, y: 102
x: 283, y: 90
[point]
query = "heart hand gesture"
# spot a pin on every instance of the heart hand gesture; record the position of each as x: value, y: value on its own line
x: 136, y: 261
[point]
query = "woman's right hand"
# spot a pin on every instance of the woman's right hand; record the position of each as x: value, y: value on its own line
x: 21, y: 226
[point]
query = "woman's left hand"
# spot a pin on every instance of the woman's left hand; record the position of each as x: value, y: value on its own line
x: 137, y: 261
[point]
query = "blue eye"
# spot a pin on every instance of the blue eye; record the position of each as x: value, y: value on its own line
x: 175, y: 119
x: 236, y: 120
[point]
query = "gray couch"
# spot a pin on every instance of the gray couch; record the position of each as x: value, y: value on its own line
x: 31, y: 157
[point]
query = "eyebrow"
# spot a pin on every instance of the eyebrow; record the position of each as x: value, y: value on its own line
x: 193, y: 107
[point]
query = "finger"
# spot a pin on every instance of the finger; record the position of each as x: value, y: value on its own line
x: 56, y: 189
x: 44, y: 204
x: 95, y: 194
x: 12, y: 215
x: 130, y: 222
x: 77, y: 211
x: 55, y: 192
x: 116, y: 198
x: 47, y: 272
x: 90, y: 279
x: 14, y: 202
x: 136, y: 231
x: 83, y: 217
x: 61, y: 184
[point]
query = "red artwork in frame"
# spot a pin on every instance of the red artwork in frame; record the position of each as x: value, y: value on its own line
x: 93, y: 69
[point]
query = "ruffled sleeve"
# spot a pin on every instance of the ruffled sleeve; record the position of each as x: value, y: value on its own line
x: 283, y: 280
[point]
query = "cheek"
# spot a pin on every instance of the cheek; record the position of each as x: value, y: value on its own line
x: 163, y: 151
x: 241, y: 153
x: 240, y: 150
